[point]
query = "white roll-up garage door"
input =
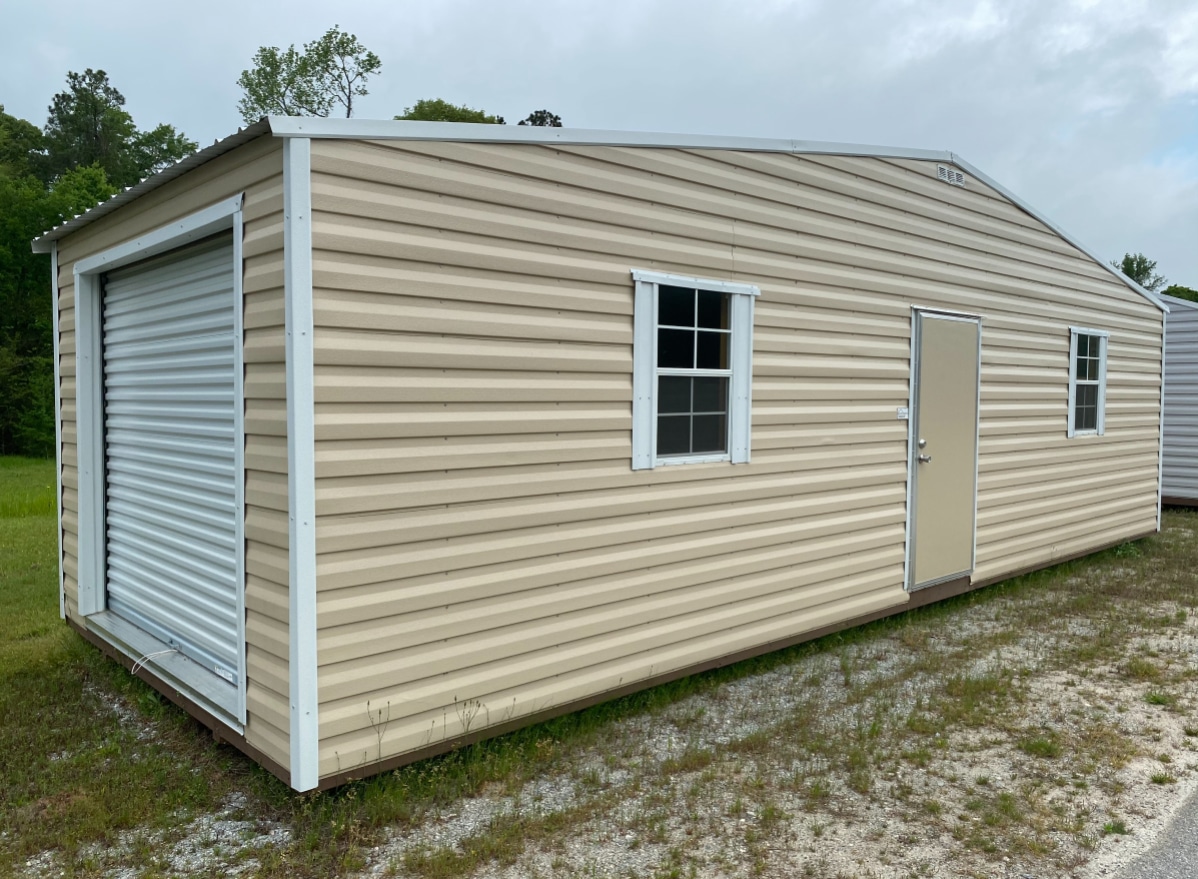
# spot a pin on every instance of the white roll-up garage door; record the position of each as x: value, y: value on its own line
x: 170, y: 430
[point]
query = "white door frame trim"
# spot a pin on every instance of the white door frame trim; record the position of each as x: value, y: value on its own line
x: 89, y: 402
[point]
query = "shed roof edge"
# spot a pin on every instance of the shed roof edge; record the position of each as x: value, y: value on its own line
x: 390, y: 129
x: 1023, y: 205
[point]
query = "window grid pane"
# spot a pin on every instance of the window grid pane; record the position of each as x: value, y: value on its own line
x: 692, y: 415
x: 694, y: 332
x: 1087, y: 378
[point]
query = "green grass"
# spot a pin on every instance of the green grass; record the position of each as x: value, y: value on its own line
x: 27, y: 488
x: 70, y: 772
x: 74, y: 773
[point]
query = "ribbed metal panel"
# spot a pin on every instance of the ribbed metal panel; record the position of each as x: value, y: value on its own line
x: 1179, y: 475
x: 481, y: 534
x: 170, y: 427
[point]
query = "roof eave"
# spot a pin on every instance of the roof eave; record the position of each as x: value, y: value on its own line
x: 391, y: 129
x: 44, y: 243
x: 1020, y: 203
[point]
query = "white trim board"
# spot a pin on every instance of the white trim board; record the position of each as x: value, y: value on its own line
x: 396, y: 129
x: 62, y: 588
x: 301, y: 463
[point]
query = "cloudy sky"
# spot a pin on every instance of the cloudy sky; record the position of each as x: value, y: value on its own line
x: 1088, y: 109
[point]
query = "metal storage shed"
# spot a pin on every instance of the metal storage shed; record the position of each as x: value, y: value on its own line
x: 439, y: 429
x: 1179, y: 474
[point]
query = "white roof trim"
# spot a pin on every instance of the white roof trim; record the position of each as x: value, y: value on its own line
x: 1177, y: 301
x: 392, y: 129
x: 1020, y: 203
x: 44, y: 243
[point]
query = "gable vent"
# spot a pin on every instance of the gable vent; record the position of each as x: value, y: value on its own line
x: 950, y: 175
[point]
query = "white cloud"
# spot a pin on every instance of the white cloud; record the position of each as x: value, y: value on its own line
x: 1086, y: 108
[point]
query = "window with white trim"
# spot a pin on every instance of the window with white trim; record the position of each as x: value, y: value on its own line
x: 1087, y: 381
x: 692, y: 370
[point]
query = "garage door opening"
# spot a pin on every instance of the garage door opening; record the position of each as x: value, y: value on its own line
x: 170, y: 425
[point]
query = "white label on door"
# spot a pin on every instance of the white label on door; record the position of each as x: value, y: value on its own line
x: 902, y: 413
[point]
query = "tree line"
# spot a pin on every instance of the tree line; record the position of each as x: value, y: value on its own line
x: 90, y: 148
x: 1142, y: 270
x: 327, y: 74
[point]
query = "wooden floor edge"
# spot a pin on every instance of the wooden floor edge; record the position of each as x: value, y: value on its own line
x: 222, y: 732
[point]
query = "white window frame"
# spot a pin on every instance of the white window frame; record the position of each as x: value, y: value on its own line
x: 1100, y: 422
x: 645, y: 371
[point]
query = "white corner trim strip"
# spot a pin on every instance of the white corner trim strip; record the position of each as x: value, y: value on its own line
x: 301, y: 462
x: 62, y: 592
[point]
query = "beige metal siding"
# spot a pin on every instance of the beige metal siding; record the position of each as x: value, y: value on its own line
x: 485, y: 550
x: 255, y: 169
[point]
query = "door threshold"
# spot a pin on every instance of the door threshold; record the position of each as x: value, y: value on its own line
x: 930, y: 583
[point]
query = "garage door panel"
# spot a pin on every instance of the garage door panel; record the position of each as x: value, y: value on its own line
x: 164, y: 503
x: 186, y: 603
x: 192, y: 483
x: 170, y: 355
x: 209, y: 541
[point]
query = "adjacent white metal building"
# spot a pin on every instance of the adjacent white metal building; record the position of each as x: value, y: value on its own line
x: 1179, y: 475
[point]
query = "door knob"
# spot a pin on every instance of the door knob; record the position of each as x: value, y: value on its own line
x: 922, y: 442
x: 925, y: 459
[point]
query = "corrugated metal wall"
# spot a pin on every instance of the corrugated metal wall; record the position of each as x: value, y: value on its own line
x: 1180, y: 474
x: 255, y: 169
x: 485, y: 550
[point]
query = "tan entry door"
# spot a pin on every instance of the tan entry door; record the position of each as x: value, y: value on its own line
x: 944, y: 453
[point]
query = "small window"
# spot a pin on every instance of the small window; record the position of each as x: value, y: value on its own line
x: 1087, y: 381
x: 692, y: 370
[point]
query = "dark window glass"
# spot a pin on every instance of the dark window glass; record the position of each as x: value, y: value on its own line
x: 710, y: 434
x: 1086, y: 408
x: 675, y: 306
x: 676, y: 349
x: 674, y: 394
x: 692, y: 411
x: 673, y: 434
x: 713, y: 350
x: 1089, y: 357
x: 711, y: 395
x: 713, y: 310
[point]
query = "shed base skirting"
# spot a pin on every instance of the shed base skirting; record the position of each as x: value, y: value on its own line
x: 1179, y: 501
x: 223, y: 733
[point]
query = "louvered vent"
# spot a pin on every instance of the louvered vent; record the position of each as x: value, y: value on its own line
x: 950, y: 175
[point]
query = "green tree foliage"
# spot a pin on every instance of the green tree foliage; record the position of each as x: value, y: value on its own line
x: 1140, y: 269
x: 327, y: 73
x: 437, y: 110
x: 88, y: 125
x: 89, y: 149
x: 1181, y: 292
x: 28, y: 208
x: 542, y: 118
x: 20, y: 145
